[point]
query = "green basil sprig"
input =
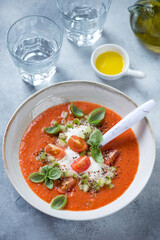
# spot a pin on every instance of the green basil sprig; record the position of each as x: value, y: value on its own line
x: 77, y: 112
x: 53, y: 130
x: 59, y: 202
x: 95, y: 140
x: 96, y: 116
x: 47, y: 174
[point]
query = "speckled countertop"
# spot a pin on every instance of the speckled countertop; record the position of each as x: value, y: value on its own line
x: 141, y: 218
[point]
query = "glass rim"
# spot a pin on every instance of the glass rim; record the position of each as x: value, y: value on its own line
x: 89, y: 20
x: 30, y: 62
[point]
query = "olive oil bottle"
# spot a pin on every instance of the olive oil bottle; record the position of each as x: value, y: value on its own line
x: 145, y: 23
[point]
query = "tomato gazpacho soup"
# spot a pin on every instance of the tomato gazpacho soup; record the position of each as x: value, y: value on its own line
x: 63, y: 162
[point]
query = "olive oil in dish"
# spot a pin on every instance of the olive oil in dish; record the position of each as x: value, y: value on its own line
x: 110, y: 63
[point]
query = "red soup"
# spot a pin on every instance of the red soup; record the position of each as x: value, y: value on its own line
x: 60, y: 155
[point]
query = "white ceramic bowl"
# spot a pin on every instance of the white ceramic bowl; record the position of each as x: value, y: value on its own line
x: 76, y: 91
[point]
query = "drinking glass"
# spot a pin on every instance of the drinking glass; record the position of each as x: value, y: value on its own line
x: 83, y: 19
x: 34, y: 43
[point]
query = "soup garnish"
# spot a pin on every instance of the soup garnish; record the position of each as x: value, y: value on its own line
x: 71, y: 158
x: 96, y: 116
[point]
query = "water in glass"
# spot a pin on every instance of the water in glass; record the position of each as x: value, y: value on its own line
x: 36, y: 50
x: 83, y: 20
x: 34, y: 43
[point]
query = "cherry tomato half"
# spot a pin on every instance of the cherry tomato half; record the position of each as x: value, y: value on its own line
x: 55, y: 151
x: 77, y: 144
x: 81, y: 164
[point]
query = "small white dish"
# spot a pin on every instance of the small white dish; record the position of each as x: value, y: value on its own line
x: 76, y: 91
x: 126, y: 70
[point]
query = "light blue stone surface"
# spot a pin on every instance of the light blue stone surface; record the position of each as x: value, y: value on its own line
x: 140, y: 220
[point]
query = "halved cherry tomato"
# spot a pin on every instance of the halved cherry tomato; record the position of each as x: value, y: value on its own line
x: 110, y: 156
x: 67, y: 185
x: 55, y: 151
x: 77, y: 144
x: 60, y: 190
x: 81, y: 164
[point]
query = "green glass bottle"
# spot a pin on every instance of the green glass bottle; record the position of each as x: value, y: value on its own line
x: 145, y: 23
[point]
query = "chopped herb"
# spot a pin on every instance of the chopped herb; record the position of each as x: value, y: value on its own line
x: 69, y: 125
x: 64, y: 115
x: 51, y: 159
x: 84, y: 187
x: 62, y: 136
x: 43, y: 155
x: 82, y: 153
x: 89, y: 153
x: 76, y: 121
x: 56, y: 165
x: 101, y: 182
x: 111, y: 186
x: 85, y: 176
x: 108, y: 181
x: 61, y: 143
x: 64, y: 174
x: 113, y: 169
x: 63, y: 128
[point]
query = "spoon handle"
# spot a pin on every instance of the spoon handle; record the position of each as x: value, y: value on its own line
x: 128, y: 121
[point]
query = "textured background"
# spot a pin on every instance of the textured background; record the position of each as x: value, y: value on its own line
x: 140, y: 219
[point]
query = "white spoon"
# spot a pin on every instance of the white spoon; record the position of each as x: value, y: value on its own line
x: 128, y: 121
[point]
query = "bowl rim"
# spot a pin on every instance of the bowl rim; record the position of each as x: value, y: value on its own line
x: 75, y: 218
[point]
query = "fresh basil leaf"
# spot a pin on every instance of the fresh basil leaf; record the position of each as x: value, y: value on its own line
x: 54, y: 173
x: 97, y: 155
x: 48, y: 183
x: 45, y: 170
x: 77, y: 112
x: 37, y: 177
x: 95, y: 138
x: 59, y: 202
x: 53, y: 130
x: 96, y: 116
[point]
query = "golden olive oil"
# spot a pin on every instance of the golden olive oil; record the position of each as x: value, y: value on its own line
x: 145, y: 23
x: 110, y: 63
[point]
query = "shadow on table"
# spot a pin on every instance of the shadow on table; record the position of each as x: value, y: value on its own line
x: 133, y: 222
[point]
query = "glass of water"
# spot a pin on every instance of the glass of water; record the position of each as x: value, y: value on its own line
x: 83, y: 19
x: 34, y: 43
